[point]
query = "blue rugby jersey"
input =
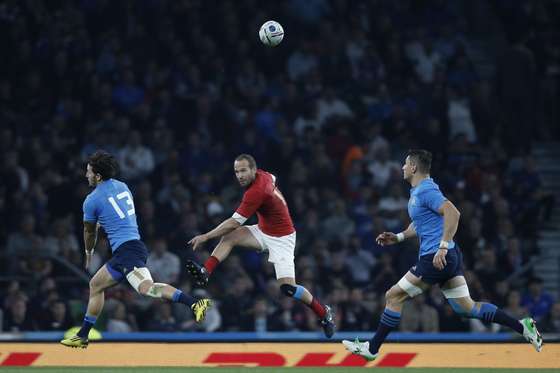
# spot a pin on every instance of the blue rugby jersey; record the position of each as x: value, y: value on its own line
x: 111, y: 205
x: 423, y: 205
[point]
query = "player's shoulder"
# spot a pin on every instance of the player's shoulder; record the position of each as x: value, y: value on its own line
x: 117, y: 183
x: 428, y: 185
x: 262, y: 179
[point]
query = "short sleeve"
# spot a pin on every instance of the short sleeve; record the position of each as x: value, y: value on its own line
x: 433, y: 199
x: 90, y: 210
x: 252, y: 200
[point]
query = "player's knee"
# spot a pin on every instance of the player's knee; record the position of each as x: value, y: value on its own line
x: 392, y: 296
x: 144, y: 287
x: 94, y: 287
x: 292, y: 291
x: 228, y: 240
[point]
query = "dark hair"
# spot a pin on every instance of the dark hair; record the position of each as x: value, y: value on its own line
x: 104, y: 164
x: 248, y: 158
x: 422, y: 159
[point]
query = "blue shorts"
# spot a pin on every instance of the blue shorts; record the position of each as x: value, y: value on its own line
x: 127, y: 256
x: 425, y: 270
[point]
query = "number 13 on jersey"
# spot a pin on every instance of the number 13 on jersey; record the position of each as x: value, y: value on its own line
x: 128, y: 199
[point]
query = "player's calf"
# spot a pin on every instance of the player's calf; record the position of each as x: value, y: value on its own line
x: 484, y: 311
x: 323, y: 312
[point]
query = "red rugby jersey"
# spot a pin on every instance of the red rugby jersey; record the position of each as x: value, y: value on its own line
x: 264, y: 198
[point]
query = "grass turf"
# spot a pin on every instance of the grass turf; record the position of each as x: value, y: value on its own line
x: 267, y: 370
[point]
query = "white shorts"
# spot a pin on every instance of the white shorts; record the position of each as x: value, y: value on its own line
x: 280, y: 251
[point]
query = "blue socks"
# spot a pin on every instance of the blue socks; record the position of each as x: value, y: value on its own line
x: 89, y: 321
x: 486, y: 312
x: 489, y: 313
x: 180, y: 297
x: 389, y: 322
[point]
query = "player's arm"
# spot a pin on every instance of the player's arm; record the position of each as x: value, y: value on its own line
x: 252, y: 200
x: 90, y: 235
x: 222, y: 229
x: 90, y: 239
x: 90, y: 227
x: 450, y: 221
x: 390, y: 238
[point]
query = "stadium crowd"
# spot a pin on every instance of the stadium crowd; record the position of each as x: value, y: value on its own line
x: 177, y: 89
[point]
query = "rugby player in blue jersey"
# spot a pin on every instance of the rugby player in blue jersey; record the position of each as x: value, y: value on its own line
x: 111, y: 206
x: 434, y: 222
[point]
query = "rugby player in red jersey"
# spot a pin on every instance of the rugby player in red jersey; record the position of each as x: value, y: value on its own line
x: 274, y: 233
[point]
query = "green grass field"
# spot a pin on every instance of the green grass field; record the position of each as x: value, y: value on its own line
x: 271, y: 370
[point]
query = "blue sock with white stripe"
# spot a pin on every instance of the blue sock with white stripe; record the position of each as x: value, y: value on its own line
x: 389, y: 322
x: 89, y: 321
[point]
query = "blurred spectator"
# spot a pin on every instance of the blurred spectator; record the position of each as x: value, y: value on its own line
x: 384, y: 169
x: 536, y: 300
x: 25, y: 240
x: 135, y: 159
x: 552, y: 323
x: 164, y: 265
x: 118, y: 319
x: 338, y: 224
x: 163, y: 320
x: 417, y: 316
x: 57, y: 317
x: 17, y: 318
x: 356, y: 313
x: 513, y: 306
x: 359, y: 262
x: 62, y: 241
x: 392, y: 206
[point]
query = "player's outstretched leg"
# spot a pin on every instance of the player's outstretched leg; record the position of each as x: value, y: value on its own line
x: 141, y: 281
x: 325, y: 314
x: 239, y: 237
x: 488, y: 312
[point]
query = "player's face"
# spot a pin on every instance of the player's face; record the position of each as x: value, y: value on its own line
x: 244, y: 174
x: 90, y: 175
x: 408, y: 169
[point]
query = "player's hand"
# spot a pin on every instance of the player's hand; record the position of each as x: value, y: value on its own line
x: 386, y: 238
x: 89, y: 254
x: 197, y: 241
x: 439, y: 259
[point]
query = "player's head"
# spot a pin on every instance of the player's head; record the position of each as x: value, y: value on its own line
x: 245, y: 169
x: 101, y: 166
x: 417, y: 163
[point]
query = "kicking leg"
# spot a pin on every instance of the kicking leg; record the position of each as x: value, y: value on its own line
x: 97, y: 285
x: 457, y: 293
x: 289, y: 288
x: 241, y: 236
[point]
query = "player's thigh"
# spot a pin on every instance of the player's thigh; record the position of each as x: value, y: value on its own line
x: 102, y: 280
x: 408, y: 286
x: 243, y: 237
